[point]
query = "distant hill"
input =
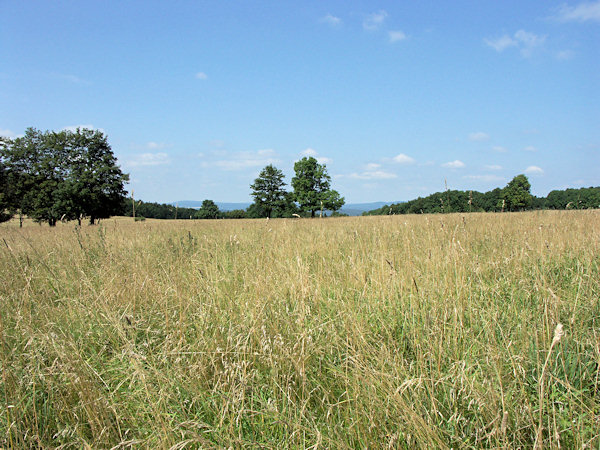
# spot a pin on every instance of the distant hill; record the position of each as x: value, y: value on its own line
x: 356, y: 209
x: 352, y: 209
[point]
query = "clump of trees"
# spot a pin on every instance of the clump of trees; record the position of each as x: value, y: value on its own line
x: 66, y: 175
x: 311, y: 191
x: 515, y: 196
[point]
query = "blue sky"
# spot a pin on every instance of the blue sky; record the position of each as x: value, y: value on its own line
x: 397, y: 98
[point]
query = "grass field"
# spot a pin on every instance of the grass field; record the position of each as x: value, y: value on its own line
x: 373, y: 332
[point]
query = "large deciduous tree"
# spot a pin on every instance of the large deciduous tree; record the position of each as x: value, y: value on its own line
x: 516, y: 194
x: 268, y: 190
x: 63, y: 175
x: 312, y: 188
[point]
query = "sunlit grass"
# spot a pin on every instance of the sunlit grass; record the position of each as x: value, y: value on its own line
x: 402, y: 331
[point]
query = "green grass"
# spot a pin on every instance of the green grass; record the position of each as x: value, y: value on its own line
x: 402, y: 331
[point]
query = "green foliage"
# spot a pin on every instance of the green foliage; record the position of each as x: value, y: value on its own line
x: 268, y: 190
x: 208, y: 210
x: 584, y: 198
x: 235, y: 214
x: 153, y: 210
x: 312, y: 187
x: 517, y: 194
x: 62, y: 175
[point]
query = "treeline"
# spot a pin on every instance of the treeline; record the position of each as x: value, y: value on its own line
x: 515, y: 196
x: 209, y: 210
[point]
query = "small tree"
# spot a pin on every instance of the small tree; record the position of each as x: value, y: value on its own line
x: 312, y: 187
x: 268, y: 190
x: 208, y: 210
x: 517, y: 195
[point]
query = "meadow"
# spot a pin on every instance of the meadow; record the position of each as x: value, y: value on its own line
x: 418, y: 331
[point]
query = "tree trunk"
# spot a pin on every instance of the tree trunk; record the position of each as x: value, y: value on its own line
x: 52, y: 222
x: 92, y: 220
x: 312, y: 213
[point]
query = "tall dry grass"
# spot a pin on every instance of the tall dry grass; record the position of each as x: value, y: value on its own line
x: 404, y: 331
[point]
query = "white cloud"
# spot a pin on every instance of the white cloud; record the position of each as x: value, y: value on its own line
x: 324, y: 160
x: 373, y: 175
x: 488, y: 178
x: 530, y: 148
x: 534, y: 170
x: 155, y: 145
x: 396, y: 36
x: 529, y: 42
x: 309, y: 152
x: 372, y: 166
x: 456, y: 164
x: 564, y: 55
x: 148, y: 159
x: 580, y: 13
x: 331, y: 20
x: 72, y: 79
x: 502, y: 43
x: 245, y: 160
x: 525, y: 41
x: 478, y: 136
x: 201, y: 76
x: 7, y: 133
x: 499, y: 149
x: 493, y: 167
x: 374, y: 20
x: 73, y: 128
x: 403, y: 159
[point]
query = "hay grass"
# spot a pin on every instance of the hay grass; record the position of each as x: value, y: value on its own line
x: 404, y: 331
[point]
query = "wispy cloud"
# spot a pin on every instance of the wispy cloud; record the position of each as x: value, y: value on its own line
x: 530, y: 148
x: 372, y: 166
x: 502, y: 43
x: 478, y: 136
x: 244, y: 160
x: 583, y: 12
x: 528, y: 42
x: 534, y: 170
x: 525, y: 41
x: 148, y: 159
x: 493, y: 167
x: 331, y: 20
x: 73, y: 128
x: 403, y: 159
x: 74, y: 79
x: 309, y: 152
x: 7, y: 133
x: 487, y: 178
x: 201, y: 76
x: 373, y: 175
x: 564, y: 55
x: 374, y: 20
x: 456, y: 164
x: 499, y: 149
x: 396, y: 36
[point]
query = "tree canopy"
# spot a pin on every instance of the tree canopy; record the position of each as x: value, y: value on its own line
x: 517, y: 194
x: 268, y: 190
x: 312, y: 188
x: 62, y: 175
x: 208, y: 210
